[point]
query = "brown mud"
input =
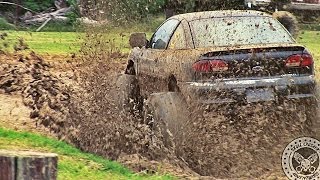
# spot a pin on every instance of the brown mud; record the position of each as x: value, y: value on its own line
x: 248, y: 144
x: 60, y: 100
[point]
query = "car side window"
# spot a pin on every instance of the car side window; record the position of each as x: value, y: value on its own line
x: 178, y: 40
x: 161, y: 38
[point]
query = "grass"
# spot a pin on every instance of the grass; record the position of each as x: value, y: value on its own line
x: 4, y: 25
x: 60, y: 42
x: 311, y: 40
x: 58, y: 38
x: 56, y: 43
x: 52, y: 27
x: 73, y: 164
x: 46, y: 42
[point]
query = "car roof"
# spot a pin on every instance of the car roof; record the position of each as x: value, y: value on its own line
x: 223, y: 13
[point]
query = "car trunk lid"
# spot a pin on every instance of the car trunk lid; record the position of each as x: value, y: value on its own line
x: 253, y: 62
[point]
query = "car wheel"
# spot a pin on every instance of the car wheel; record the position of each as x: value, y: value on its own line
x: 289, y: 21
x: 166, y: 114
x: 128, y: 94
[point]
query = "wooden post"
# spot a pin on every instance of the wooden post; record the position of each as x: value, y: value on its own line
x: 26, y: 165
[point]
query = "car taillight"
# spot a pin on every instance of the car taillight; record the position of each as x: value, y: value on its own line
x: 210, y: 66
x: 299, y: 60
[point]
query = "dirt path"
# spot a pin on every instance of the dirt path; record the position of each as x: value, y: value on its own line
x: 15, y: 115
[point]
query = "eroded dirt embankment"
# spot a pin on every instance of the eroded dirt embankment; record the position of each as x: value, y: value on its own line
x: 44, y: 95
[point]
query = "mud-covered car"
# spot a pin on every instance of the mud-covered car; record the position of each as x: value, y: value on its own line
x: 217, y: 57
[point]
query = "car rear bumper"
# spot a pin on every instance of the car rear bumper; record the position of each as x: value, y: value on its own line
x: 253, y: 89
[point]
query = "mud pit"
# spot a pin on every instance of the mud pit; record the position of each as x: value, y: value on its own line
x: 78, y: 106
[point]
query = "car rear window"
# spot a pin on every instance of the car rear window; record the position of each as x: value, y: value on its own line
x: 232, y: 31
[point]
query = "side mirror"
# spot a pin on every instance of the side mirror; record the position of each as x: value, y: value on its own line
x: 138, y: 40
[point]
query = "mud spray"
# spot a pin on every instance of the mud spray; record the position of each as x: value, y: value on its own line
x: 230, y: 141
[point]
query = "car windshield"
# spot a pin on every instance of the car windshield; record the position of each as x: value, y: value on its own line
x: 232, y: 31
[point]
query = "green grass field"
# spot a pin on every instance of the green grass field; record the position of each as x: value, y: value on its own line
x: 311, y: 39
x: 70, y: 42
x: 57, y: 43
x: 73, y: 164
x: 46, y: 42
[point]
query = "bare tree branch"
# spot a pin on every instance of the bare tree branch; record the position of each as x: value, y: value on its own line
x: 43, y: 25
x: 10, y: 3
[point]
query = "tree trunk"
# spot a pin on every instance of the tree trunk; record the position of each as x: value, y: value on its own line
x: 16, y: 165
x: 169, y: 12
x: 18, y: 12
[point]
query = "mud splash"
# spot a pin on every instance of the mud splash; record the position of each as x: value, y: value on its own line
x: 238, y: 141
x: 232, y: 141
x: 246, y: 145
x: 46, y: 96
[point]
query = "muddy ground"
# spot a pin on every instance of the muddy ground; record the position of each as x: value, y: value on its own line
x: 43, y: 94
x: 74, y: 102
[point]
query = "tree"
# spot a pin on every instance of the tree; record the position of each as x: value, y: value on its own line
x: 182, y: 6
x: 124, y: 10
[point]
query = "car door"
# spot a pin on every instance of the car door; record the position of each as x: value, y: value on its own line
x: 181, y: 53
x: 152, y: 61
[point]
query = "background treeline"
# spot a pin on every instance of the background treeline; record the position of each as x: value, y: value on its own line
x: 139, y: 9
x: 35, y: 5
x: 123, y: 10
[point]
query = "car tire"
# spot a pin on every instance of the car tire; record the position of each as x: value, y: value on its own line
x: 128, y: 94
x: 166, y: 114
x: 289, y: 21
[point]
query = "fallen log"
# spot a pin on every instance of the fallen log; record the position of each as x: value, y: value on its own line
x: 27, y: 165
x: 44, y: 19
x: 43, y: 25
x: 59, y: 15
